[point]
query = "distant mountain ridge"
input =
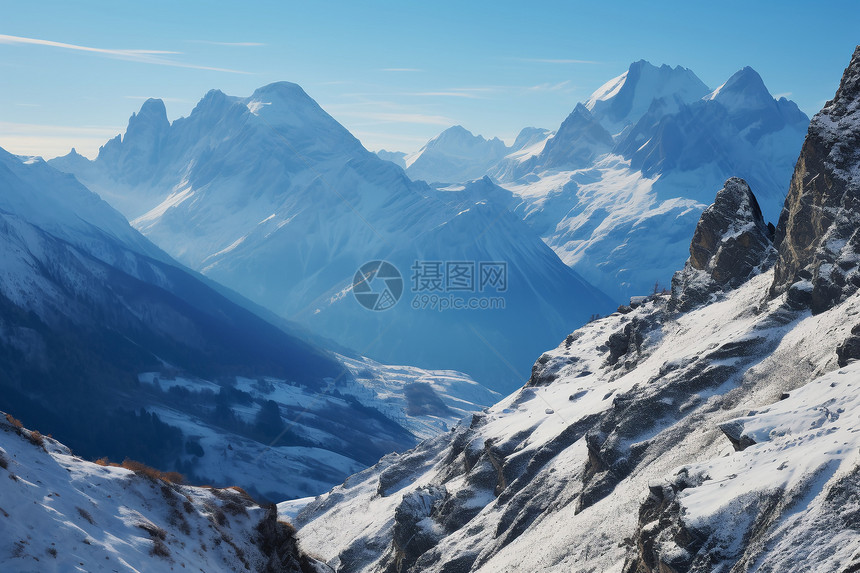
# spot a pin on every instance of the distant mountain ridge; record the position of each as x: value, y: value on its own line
x: 118, y: 349
x: 630, y: 169
x: 273, y: 198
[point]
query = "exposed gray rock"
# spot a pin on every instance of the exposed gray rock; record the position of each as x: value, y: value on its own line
x: 850, y: 349
x: 414, y: 531
x: 818, y: 228
x: 734, y: 432
x: 732, y: 242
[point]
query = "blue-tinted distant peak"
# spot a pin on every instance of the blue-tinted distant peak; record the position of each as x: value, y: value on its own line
x: 744, y: 90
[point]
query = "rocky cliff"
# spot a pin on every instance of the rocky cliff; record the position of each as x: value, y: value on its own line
x: 818, y: 235
x: 722, y: 438
x: 731, y: 243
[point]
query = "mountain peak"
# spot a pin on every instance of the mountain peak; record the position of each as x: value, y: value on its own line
x: 454, y: 156
x: 623, y: 100
x: 282, y: 89
x: 153, y: 107
x: 579, y: 140
x: 151, y: 117
x: 731, y: 241
x: 456, y: 133
x: 745, y: 89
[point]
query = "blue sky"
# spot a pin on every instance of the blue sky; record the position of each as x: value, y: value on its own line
x: 394, y: 73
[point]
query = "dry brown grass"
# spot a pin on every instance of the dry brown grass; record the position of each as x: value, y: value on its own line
x: 15, y: 422
x: 37, y: 438
x: 142, y: 469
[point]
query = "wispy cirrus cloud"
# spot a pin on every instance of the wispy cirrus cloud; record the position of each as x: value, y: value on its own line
x: 156, y: 57
x: 462, y: 94
x: 228, y: 44
x: 550, y: 87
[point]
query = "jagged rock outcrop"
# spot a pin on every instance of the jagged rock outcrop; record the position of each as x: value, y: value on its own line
x: 731, y: 243
x: 818, y: 235
x: 415, y: 532
x: 849, y: 350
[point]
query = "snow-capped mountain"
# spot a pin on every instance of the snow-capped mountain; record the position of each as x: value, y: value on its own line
x: 61, y: 513
x: 273, y: 198
x: 710, y: 429
x: 113, y: 346
x: 616, y: 209
x: 619, y: 103
x: 454, y: 156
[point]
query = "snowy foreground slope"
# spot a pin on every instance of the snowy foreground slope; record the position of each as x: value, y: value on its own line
x: 61, y: 513
x: 713, y: 429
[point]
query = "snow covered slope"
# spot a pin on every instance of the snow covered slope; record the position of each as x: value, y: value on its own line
x: 273, y: 198
x: 122, y: 354
x: 454, y: 156
x: 720, y: 438
x: 61, y: 513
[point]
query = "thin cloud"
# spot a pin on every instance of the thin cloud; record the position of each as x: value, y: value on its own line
x: 550, y: 87
x: 550, y: 61
x: 462, y: 94
x: 42, y: 129
x: 53, y: 140
x: 229, y: 44
x: 784, y: 94
x: 156, y: 57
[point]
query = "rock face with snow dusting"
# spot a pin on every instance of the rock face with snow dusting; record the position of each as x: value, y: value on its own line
x: 818, y: 236
x: 730, y: 244
x: 722, y: 438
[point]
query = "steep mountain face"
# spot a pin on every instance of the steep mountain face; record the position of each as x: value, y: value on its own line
x: 111, y: 345
x: 620, y: 102
x: 817, y: 236
x: 717, y: 438
x: 579, y: 140
x: 61, y: 513
x: 529, y: 144
x: 273, y: 198
x: 620, y: 214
